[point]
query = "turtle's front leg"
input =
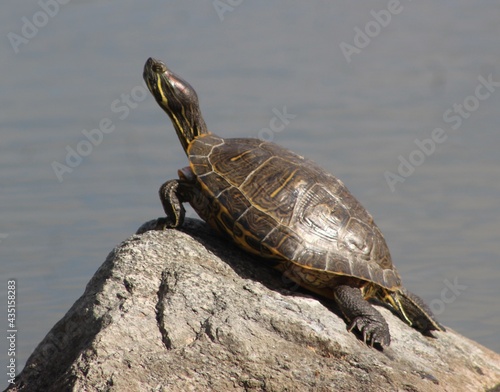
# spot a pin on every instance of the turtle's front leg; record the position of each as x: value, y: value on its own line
x: 172, y: 195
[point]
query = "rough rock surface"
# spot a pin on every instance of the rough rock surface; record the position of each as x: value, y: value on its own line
x: 186, y: 311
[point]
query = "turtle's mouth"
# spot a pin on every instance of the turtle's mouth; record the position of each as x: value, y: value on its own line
x: 152, y: 70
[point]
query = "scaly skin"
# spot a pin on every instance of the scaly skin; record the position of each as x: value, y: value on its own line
x: 361, y: 315
x: 172, y: 195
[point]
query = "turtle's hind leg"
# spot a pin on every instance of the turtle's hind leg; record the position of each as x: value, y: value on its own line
x: 361, y: 315
x: 414, y: 310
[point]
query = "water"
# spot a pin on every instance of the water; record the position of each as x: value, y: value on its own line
x: 357, y: 118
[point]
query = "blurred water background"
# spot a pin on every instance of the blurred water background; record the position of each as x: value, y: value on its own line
x: 368, y: 84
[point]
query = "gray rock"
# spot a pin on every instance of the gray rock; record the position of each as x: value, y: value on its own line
x: 187, y: 311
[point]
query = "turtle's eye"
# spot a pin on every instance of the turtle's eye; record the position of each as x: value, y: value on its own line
x: 159, y: 67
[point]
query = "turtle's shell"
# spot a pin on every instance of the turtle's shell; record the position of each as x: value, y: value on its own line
x: 277, y: 204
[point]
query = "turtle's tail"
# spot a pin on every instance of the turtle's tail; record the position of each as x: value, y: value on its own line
x: 415, y: 311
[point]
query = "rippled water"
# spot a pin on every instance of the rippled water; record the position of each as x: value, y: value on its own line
x: 359, y: 111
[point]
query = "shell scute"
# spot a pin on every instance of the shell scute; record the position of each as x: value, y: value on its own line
x: 279, y: 205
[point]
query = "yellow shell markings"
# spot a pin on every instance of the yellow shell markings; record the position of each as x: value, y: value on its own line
x: 287, y: 180
x: 224, y: 210
x: 240, y: 156
x: 232, y: 226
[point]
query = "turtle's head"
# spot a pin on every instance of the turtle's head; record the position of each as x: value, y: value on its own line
x: 177, y: 98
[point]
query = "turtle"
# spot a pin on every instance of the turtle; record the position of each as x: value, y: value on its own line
x: 276, y: 204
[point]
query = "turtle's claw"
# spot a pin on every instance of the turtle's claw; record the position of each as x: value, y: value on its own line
x: 372, y: 331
